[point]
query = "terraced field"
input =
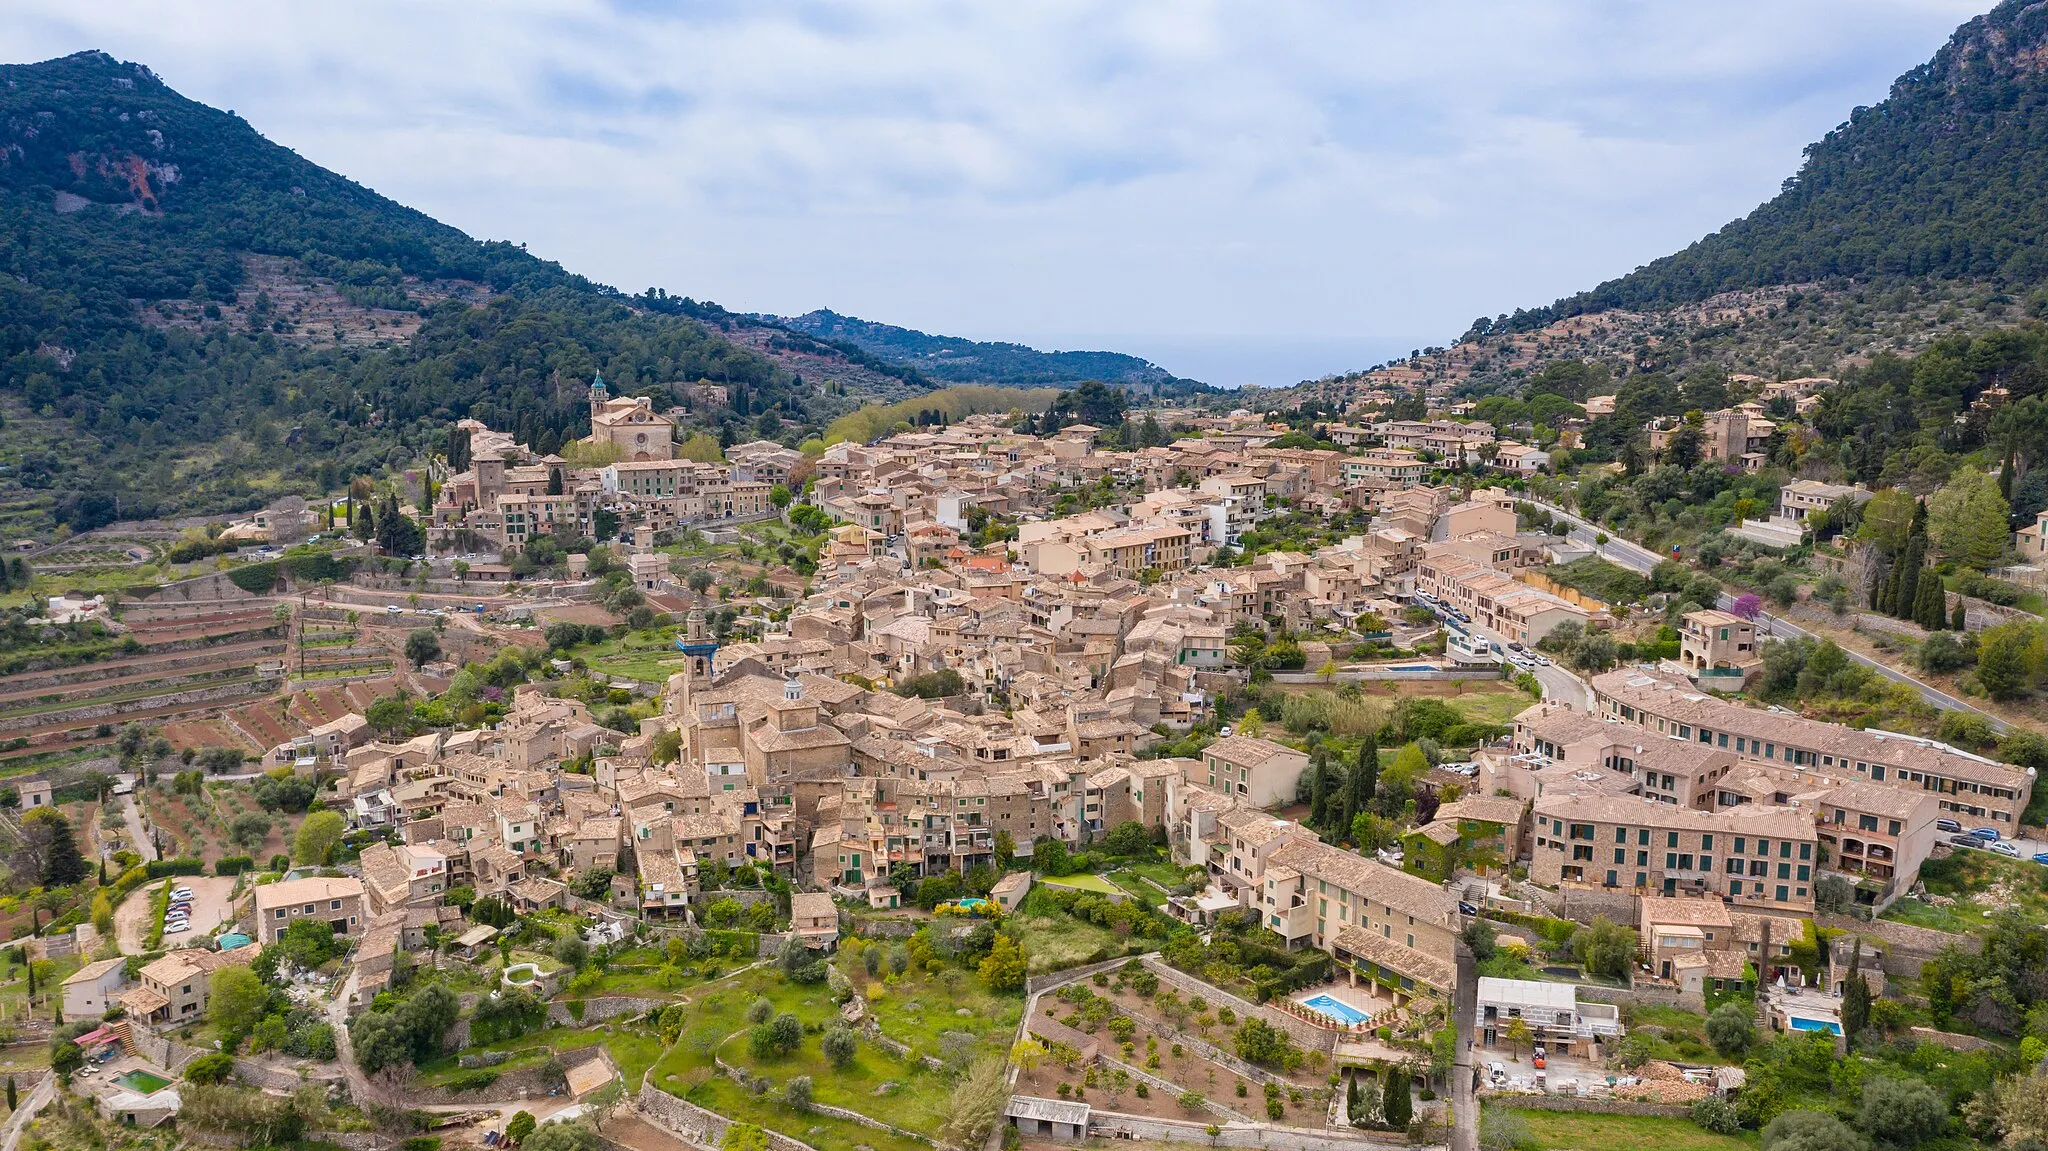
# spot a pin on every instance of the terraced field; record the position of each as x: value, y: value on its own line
x: 190, y: 664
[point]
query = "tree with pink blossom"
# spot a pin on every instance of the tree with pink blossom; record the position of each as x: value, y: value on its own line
x: 1747, y: 605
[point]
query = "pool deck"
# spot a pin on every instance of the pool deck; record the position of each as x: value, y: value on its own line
x: 1355, y: 998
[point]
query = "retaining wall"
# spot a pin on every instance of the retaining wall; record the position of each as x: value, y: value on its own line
x: 602, y: 1008
x: 1953, y: 1041
x: 1585, y: 904
x: 698, y: 1127
x: 1653, y: 995
x: 1300, y: 1030
x: 1256, y: 1135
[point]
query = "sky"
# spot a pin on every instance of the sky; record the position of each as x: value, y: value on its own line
x: 1245, y: 193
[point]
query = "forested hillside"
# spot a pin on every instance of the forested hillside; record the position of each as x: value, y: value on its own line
x: 193, y: 318
x: 1943, y: 179
x: 959, y: 360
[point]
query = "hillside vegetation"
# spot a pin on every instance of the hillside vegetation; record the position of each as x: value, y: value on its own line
x: 185, y: 304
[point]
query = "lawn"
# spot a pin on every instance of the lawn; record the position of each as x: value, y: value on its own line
x: 1490, y: 706
x: 1981, y: 884
x: 1159, y: 871
x: 1084, y: 882
x: 824, y: 1132
x: 1674, y: 1033
x: 632, y: 1049
x: 1140, y: 890
x: 1560, y: 1130
x: 687, y: 1069
x: 1054, y: 942
x: 920, y: 1010
x: 876, y: 1084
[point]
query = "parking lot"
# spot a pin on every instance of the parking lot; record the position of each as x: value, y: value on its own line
x: 211, y: 907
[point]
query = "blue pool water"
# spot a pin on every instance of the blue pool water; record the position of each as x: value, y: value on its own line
x: 1828, y: 1026
x: 1412, y: 667
x: 1335, y: 1008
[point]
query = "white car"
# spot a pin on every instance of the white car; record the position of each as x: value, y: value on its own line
x: 175, y: 928
x: 2005, y: 849
x: 181, y: 893
x: 393, y: 609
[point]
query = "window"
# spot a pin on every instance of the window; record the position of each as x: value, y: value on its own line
x: 335, y: 905
x: 1706, y: 843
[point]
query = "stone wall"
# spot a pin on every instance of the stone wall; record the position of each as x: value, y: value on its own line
x: 1050, y: 979
x: 1300, y: 1030
x: 1585, y: 904
x: 600, y: 1009
x: 272, y: 1078
x: 1953, y: 1041
x: 1906, y: 947
x: 1644, y: 995
x: 1263, y: 1136
x: 698, y: 1127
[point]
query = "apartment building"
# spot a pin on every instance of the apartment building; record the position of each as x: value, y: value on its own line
x: 1135, y: 550
x: 175, y: 988
x: 1383, y: 924
x: 1495, y: 601
x: 1716, y: 646
x: 1760, y: 857
x: 1967, y: 787
x: 1258, y: 772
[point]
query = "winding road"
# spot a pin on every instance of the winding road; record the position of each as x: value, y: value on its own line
x: 1637, y: 558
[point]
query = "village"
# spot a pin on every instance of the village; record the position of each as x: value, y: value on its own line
x: 971, y: 784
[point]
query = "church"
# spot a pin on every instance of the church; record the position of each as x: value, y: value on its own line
x: 630, y: 424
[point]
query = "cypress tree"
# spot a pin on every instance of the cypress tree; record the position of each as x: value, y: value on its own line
x: 1318, y: 794
x: 1907, y: 598
x: 1959, y: 621
x: 1394, y: 1102
x: 1932, y: 610
x: 1855, y: 996
x: 12, y: 1101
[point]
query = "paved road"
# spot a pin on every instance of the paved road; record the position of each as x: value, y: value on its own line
x: 144, y: 845
x: 1640, y: 559
x: 39, y: 1097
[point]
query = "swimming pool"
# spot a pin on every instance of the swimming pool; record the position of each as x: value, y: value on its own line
x: 142, y: 1082
x: 1335, y: 1008
x: 1411, y: 667
x: 1827, y: 1025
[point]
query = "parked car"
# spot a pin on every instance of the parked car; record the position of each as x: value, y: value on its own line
x: 393, y: 609
x: 1465, y: 908
x: 2041, y: 857
x: 1987, y: 834
x: 1948, y: 826
x: 1965, y: 841
x: 175, y: 928
x: 1514, y: 647
x: 2005, y: 849
x: 1541, y: 660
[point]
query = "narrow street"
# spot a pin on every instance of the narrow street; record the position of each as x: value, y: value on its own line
x: 132, y: 813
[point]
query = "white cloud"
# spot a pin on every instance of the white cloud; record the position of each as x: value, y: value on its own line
x: 1188, y: 169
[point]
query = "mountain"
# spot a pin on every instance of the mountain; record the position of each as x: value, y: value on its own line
x: 959, y: 360
x: 1943, y: 180
x: 194, y: 319
x: 1917, y: 221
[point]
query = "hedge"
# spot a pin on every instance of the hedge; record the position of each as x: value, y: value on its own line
x: 158, y: 868
x: 234, y: 865
x: 734, y: 944
x: 310, y: 568
x: 254, y: 578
